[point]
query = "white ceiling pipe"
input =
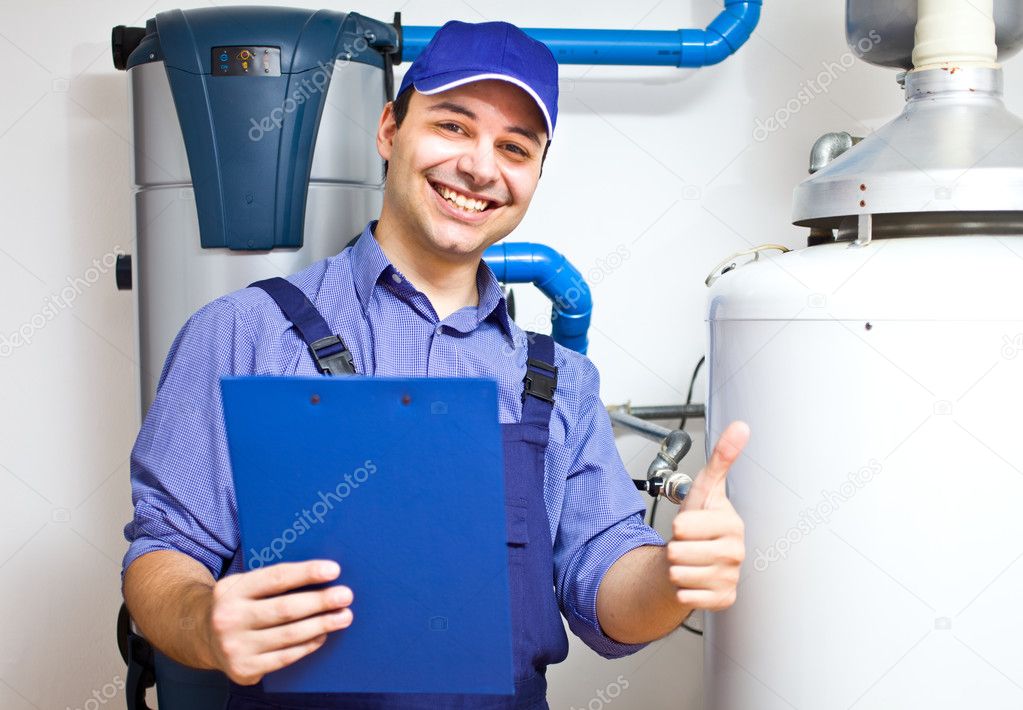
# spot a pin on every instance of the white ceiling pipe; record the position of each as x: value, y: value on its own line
x: 954, y: 32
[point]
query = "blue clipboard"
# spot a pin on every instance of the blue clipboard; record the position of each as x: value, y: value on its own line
x: 401, y: 481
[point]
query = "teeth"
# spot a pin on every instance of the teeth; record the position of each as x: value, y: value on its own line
x: 466, y: 203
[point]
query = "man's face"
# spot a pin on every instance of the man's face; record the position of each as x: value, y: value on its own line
x: 463, y: 166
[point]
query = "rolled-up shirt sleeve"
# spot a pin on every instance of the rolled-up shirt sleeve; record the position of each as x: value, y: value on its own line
x: 180, y: 472
x: 601, y: 519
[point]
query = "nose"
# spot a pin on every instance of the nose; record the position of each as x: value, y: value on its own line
x: 478, y: 164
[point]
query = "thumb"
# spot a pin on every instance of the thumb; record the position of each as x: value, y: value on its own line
x: 710, y: 482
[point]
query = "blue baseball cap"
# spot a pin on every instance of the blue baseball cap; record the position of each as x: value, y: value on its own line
x: 461, y: 53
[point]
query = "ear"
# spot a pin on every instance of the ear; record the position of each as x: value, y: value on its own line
x: 386, y: 130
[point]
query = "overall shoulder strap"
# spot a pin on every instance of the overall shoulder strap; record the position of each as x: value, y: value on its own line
x: 541, y: 380
x: 328, y: 350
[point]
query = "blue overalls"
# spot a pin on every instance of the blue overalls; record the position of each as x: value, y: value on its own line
x: 538, y: 634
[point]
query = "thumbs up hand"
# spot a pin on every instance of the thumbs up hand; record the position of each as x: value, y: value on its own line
x: 707, y: 546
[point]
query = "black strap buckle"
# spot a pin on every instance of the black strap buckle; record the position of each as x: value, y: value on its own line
x: 540, y: 384
x: 338, y: 363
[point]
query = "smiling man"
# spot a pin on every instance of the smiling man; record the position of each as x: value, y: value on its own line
x: 464, y: 142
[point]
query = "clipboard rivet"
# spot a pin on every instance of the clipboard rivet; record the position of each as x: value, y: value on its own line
x: 315, y: 399
x: 405, y: 399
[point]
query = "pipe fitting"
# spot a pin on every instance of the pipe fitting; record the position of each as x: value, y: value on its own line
x: 554, y: 275
x: 953, y: 32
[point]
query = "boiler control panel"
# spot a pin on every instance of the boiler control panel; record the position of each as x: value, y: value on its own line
x: 246, y: 61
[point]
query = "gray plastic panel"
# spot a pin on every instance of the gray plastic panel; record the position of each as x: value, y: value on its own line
x: 174, y: 276
x: 345, y: 146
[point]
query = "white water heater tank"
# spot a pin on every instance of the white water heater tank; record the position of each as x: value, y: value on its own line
x: 882, y: 488
x: 881, y: 374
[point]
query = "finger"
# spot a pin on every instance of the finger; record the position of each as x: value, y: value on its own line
x: 265, y: 613
x: 706, y: 525
x: 710, y: 577
x: 698, y: 553
x: 706, y: 599
x: 275, y: 660
x: 711, y: 480
x: 300, y: 632
x: 285, y: 576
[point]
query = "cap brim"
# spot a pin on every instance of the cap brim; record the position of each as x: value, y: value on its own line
x: 449, y: 80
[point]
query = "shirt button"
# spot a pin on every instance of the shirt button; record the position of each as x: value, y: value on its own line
x: 439, y: 330
x: 396, y: 278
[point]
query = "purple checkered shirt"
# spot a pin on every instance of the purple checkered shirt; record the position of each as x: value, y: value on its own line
x: 180, y: 473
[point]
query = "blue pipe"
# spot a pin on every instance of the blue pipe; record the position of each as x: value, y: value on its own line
x: 670, y: 48
x: 551, y: 272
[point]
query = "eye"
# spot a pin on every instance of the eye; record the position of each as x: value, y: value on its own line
x: 449, y: 126
x: 517, y: 150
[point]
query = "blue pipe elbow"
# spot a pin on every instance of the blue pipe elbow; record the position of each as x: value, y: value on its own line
x: 724, y: 35
x: 677, y: 48
x: 551, y: 272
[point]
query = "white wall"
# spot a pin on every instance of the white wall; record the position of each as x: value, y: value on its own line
x: 660, y: 161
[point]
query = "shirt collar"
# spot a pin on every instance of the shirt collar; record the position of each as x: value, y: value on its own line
x: 369, y: 263
x: 493, y: 304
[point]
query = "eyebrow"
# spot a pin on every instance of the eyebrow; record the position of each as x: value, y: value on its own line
x: 462, y: 110
x: 453, y: 108
x: 531, y: 135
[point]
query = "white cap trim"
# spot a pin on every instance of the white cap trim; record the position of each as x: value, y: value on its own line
x: 502, y: 77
